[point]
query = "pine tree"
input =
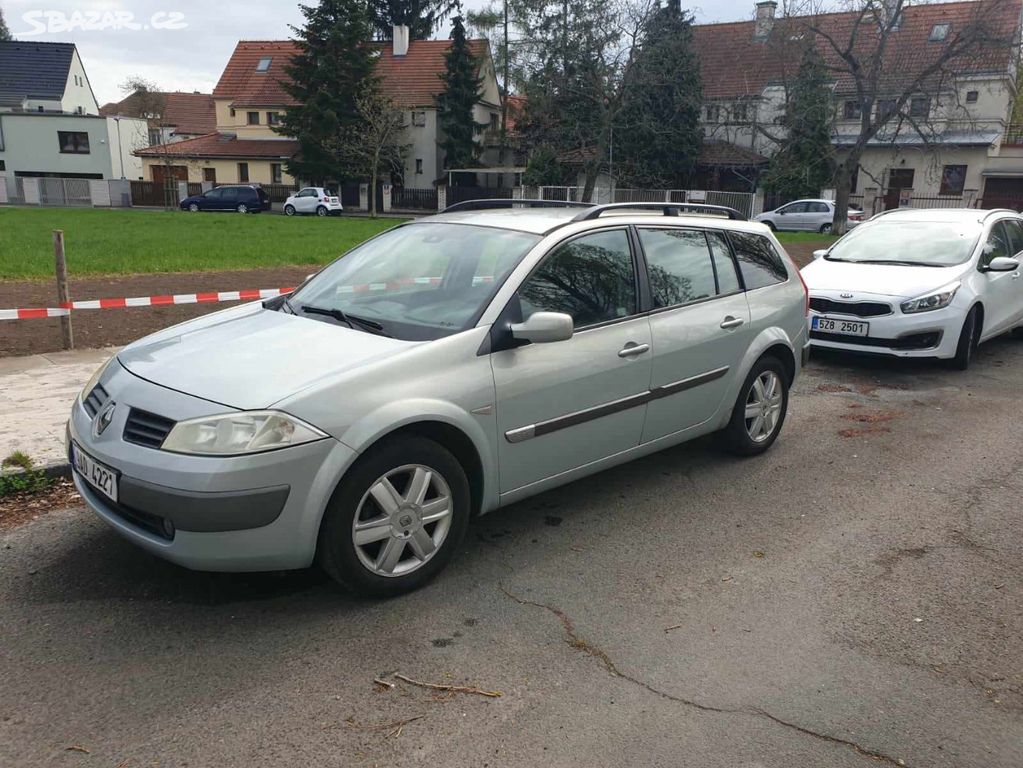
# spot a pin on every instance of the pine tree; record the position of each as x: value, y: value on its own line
x: 420, y: 16
x: 5, y: 33
x: 462, y: 83
x: 658, y: 134
x: 332, y: 68
x: 805, y: 162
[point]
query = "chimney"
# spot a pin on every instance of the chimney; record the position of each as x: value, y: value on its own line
x: 401, y: 35
x: 764, y: 19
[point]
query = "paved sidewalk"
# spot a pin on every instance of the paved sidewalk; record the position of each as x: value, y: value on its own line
x: 36, y: 394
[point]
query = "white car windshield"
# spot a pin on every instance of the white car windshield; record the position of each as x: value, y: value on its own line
x: 916, y: 243
x: 415, y: 282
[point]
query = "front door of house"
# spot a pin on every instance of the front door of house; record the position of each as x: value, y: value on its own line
x: 898, y: 180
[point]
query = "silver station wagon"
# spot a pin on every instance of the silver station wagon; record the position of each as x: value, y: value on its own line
x: 443, y: 369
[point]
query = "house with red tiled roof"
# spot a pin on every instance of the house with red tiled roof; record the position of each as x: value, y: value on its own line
x: 182, y: 115
x: 250, y: 99
x: 955, y: 139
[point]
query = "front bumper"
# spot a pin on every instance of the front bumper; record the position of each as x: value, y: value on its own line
x: 924, y: 334
x: 242, y: 513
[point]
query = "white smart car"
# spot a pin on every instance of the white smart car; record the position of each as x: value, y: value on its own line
x: 919, y: 283
x: 314, y: 200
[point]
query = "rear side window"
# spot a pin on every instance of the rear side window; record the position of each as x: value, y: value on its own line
x: 590, y: 278
x: 679, y: 266
x: 759, y: 262
x: 724, y: 266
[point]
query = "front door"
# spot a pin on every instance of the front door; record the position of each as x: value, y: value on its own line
x: 305, y: 201
x: 700, y: 326
x: 1003, y: 292
x: 793, y: 218
x: 566, y: 404
x: 211, y: 200
x: 898, y: 180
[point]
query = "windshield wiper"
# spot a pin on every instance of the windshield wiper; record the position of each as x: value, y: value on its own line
x: 900, y: 263
x: 352, y: 321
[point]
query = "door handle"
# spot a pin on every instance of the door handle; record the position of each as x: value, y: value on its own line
x: 633, y: 350
x: 1015, y: 275
x: 731, y: 322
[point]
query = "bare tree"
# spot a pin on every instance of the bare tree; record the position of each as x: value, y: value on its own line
x: 146, y: 101
x: 378, y: 145
x: 893, y: 87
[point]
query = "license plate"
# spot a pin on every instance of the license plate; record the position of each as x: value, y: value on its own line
x: 333, y: 199
x: 99, y: 476
x: 835, y: 325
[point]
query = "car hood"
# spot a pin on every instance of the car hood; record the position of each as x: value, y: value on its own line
x: 249, y: 358
x: 878, y: 279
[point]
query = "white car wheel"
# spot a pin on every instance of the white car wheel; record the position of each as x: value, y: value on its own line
x: 289, y: 210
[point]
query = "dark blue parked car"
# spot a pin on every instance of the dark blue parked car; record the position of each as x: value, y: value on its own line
x: 243, y: 198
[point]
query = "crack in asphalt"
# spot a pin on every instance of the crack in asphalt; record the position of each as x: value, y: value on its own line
x: 577, y: 643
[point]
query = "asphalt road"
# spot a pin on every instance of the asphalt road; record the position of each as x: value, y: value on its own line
x: 851, y: 599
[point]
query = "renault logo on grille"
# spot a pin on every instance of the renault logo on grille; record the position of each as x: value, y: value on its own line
x: 103, y: 419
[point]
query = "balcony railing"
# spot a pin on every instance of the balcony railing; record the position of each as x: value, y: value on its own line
x: 1013, y: 135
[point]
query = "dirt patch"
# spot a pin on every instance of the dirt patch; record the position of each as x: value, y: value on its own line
x: 18, y: 509
x: 95, y: 328
x: 864, y: 431
x: 871, y: 418
x: 829, y: 387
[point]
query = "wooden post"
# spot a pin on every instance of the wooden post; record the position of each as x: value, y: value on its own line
x: 63, y: 296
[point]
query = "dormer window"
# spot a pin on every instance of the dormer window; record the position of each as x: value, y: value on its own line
x: 939, y: 32
x: 264, y: 64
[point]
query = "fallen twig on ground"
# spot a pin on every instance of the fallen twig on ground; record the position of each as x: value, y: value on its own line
x: 393, y: 729
x: 384, y: 683
x: 452, y: 688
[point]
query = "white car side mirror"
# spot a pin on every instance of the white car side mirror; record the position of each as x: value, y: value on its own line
x: 820, y: 254
x: 1002, y: 264
x: 544, y: 327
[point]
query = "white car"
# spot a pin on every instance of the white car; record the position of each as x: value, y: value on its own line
x: 919, y: 283
x: 322, y: 202
x: 807, y: 216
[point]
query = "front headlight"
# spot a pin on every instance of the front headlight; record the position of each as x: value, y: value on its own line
x: 236, y: 433
x: 937, y: 300
x: 91, y: 383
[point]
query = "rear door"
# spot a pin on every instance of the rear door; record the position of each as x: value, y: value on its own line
x: 229, y: 200
x: 700, y: 326
x: 566, y: 404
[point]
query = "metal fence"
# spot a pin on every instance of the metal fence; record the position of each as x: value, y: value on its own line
x: 154, y: 193
x: 461, y: 194
x: 15, y: 190
x: 405, y: 198
x: 64, y: 192
x: 278, y: 193
x: 351, y: 196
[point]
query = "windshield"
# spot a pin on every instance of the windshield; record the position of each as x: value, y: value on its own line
x: 924, y: 243
x: 419, y: 281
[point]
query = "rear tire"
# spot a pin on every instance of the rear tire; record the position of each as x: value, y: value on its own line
x: 825, y: 229
x: 363, y: 566
x: 322, y: 211
x: 760, y: 409
x: 969, y: 340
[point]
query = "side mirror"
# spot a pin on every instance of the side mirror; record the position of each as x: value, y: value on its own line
x: 544, y: 327
x: 780, y: 213
x: 820, y: 254
x: 1002, y: 264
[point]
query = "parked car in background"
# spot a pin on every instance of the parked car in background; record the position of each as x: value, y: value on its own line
x: 919, y: 283
x: 314, y: 200
x: 243, y: 198
x: 807, y: 216
x: 443, y: 369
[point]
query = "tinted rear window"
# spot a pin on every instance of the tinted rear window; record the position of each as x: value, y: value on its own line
x: 759, y: 262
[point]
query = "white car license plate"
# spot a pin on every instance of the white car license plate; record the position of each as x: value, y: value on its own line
x: 835, y: 325
x: 99, y: 476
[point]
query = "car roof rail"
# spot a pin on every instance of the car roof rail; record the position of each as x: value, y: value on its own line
x: 509, y: 202
x: 667, y: 209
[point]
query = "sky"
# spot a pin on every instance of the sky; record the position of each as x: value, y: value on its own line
x: 184, y: 44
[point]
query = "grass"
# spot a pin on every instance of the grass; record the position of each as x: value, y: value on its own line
x: 804, y: 237
x: 113, y: 242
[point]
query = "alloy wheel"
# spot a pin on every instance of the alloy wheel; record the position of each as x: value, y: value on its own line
x: 289, y: 210
x: 402, y: 521
x: 193, y: 208
x: 763, y: 406
x: 243, y: 208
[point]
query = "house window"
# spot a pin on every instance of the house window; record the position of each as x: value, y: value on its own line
x: 264, y: 64
x: 939, y: 32
x: 273, y: 118
x: 3, y: 165
x: 419, y: 165
x: 953, y: 179
x: 243, y: 171
x: 493, y: 121
x: 851, y: 110
x: 713, y: 112
x: 210, y: 175
x: 232, y: 112
x: 886, y: 108
x: 39, y: 108
x: 919, y: 106
x: 73, y: 142
x: 972, y: 96
x: 740, y: 113
x: 276, y: 173
x: 253, y: 118
x: 419, y: 119
x: 154, y: 137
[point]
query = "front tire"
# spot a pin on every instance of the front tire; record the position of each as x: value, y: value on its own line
x: 771, y: 226
x: 289, y: 210
x: 193, y: 208
x: 243, y: 208
x: 396, y: 518
x: 760, y: 409
x: 969, y: 340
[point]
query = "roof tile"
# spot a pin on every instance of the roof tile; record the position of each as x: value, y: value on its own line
x: 222, y: 145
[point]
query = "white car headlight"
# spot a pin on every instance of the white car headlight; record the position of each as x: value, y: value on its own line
x: 92, y: 382
x: 236, y: 433
x: 937, y: 300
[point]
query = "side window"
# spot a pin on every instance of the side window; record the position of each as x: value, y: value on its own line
x: 760, y: 263
x: 1014, y: 229
x: 214, y: 194
x: 679, y: 265
x: 997, y: 245
x: 794, y: 208
x: 724, y: 266
x: 230, y: 193
x: 590, y: 278
x: 818, y: 207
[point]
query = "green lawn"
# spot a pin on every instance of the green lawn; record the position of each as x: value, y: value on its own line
x: 111, y: 242
x: 804, y: 237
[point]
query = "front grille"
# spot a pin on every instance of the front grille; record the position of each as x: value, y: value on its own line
x: 94, y: 400
x: 857, y: 309
x: 911, y: 341
x: 146, y: 429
